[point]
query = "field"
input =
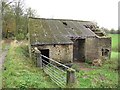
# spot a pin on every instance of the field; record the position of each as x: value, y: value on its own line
x: 21, y: 72
x: 115, y: 42
x: 101, y: 77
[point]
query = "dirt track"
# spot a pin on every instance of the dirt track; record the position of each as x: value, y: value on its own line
x: 2, y: 58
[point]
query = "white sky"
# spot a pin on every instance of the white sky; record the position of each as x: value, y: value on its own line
x: 104, y: 12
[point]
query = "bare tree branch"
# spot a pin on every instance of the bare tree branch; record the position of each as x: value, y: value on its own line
x: 9, y: 3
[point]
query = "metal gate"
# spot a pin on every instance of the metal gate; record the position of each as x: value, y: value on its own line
x: 59, y: 73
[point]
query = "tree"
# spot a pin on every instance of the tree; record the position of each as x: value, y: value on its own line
x: 15, y: 18
x: 112, y: 31
x: 18, y: 15
x: 105, y: 30
x: 7, y: 17
x: 22, y: 15
x: 30, y: 12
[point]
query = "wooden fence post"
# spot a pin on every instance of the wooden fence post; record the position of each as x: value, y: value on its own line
x: 39, y: 59
x: 70, y: 76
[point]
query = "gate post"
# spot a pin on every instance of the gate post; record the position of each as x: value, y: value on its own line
x: 70, y: 76
x: 39, y: 59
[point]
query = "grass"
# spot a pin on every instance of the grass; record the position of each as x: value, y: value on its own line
x: 0, y: 79
x: 115, y: 42
x: 21, y: 72
x: 101, y: 77
x: 5, y: 44
x: 98, y: 78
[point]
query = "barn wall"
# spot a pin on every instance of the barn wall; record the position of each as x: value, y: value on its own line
x: 94, y: 46
x: 61, y: 53
x: 91, y: 49
x: 104, y: 43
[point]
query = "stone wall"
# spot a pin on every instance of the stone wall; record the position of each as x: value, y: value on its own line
x: 104, y: 43
x: 91, y: 48
x: 94, y: 46
x: 61, y: 53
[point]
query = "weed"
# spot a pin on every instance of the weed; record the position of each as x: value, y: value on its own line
x: 76, y: 67
x: 88, y: 61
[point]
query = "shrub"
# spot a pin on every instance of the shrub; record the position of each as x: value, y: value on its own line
x: 20, y: 36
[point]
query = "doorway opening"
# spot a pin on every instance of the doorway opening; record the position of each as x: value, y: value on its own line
x: 45, y: 52
x: 79, y: 50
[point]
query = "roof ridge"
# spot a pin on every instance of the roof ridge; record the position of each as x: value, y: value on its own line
x: 59, y: 19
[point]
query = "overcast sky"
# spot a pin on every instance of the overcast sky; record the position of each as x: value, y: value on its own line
x: 104, y: 12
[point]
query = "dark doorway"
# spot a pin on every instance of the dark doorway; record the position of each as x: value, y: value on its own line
x: 45, y: 52
x: 79, y: 50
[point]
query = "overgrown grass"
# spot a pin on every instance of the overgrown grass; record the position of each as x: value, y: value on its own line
x: 105, y: 76
x: 98, y: 78
x: 21, y: 72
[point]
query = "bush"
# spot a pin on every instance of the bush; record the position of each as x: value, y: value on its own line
x: 20, y: 36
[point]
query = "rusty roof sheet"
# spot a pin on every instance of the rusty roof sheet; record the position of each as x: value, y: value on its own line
x: 57, y: 31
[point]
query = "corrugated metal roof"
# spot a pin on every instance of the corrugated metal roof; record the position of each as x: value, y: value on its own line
x: 57, y: 31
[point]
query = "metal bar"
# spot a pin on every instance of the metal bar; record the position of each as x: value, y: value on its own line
x: 54, y: 66
x: 55, y: 61
x: 57, y: 77
x: 54, y: 76
x: 56, y: 81
x: 57, y: 74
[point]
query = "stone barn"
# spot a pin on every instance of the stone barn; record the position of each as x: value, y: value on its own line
x: 68, y: 40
